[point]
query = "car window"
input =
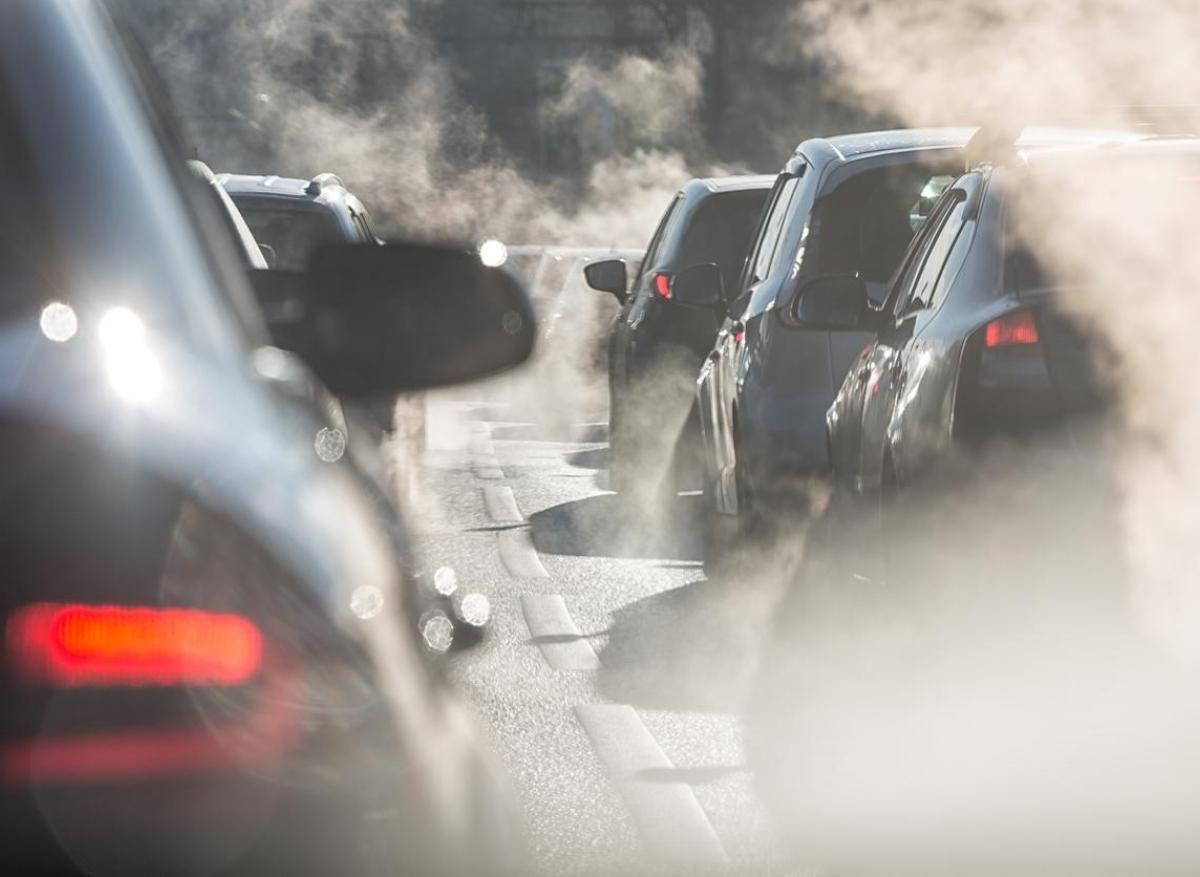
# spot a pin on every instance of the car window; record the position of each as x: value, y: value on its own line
x: 292, y: 229
x: 958, y: 233
x: 865, y: 225
x: 654, y: 250
x: 912, y: 268
x: 767, y: 251
x: 942, y: 239
x: 720, y: 232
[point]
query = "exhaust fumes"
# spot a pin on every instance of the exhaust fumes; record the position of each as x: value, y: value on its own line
x: 1011, y: 687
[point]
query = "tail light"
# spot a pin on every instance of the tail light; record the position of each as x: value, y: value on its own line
x: 662, y: 286
x: 1005, y: 387
x: 73, y: 645
x: 1011, y: 330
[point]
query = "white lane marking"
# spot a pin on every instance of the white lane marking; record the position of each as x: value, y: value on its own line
x: 670, y: 821
x: 519, y: 556
x: 501, y: 504
x: 561, y: 641
x: 489, y: 472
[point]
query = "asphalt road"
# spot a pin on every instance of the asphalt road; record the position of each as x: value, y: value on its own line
x: 611, y: 683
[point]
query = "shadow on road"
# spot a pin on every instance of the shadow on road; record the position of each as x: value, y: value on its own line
x: 612, y: 526
x: 594, y: 459
x: 691, y: 648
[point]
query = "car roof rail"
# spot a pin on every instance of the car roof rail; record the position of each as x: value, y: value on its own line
x: 991, y: 145
x: 320, y: 181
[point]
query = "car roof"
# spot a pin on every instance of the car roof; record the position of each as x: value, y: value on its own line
x: 740, y: 182
x: 1145, y: 146
x: 251, y: 184
x: 849, y: 147
x: 325, y: 189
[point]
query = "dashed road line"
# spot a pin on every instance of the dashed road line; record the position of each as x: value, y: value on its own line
x: 501, y: 504
x: 670, y: 820
x: 518, y: 554
x: 556, y: 633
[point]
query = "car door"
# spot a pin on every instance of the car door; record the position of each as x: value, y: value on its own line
x: 728, y: 360
x: 889, y: 366
x: 622, y: 339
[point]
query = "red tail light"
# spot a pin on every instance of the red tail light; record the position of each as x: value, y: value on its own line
x: 75, y: 645
x: 662, y: 285
x: 1011, y: 330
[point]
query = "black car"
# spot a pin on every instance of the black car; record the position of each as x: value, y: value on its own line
x: 847, y: 204
x: 216, y: 657
x: 657, y: 344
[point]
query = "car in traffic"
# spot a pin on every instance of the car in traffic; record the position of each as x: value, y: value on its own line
x: 657, y: 344
x: 217, y: 656
x: 842, y: 205
x: 973, y: 343
x: 293, y: 217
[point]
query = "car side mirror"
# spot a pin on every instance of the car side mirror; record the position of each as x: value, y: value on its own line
x: 372, y: 319
x: 699, y: 286
x: 608, y: 276
x: 836, y: 302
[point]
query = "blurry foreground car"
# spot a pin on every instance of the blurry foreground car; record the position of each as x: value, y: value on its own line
x: 214, y: 656
x: 657, y: 345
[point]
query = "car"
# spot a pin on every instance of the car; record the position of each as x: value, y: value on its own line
x: 657, y: 344
x: 972, y: 345
x: 290, y: 219
x: 293, y: 217
x: 845, y: 204
x: 217, y: 656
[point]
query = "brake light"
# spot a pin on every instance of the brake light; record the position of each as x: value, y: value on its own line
x: 76, y: 645
x: 662, y: 286
x: 1011, y: 330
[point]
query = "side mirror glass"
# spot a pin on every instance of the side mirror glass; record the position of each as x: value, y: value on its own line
x: 608, y: 276
x: 836, y: 302
x: 372, y: 319
x: 699, y: 286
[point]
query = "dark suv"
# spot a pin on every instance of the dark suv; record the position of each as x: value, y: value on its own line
x: 657, y: 345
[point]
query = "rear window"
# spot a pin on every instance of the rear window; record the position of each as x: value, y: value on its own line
x: 721, y: 230
x: 292, y: 230
x: 865, y: 226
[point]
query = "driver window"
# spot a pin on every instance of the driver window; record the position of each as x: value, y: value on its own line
x: 764, y: 258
